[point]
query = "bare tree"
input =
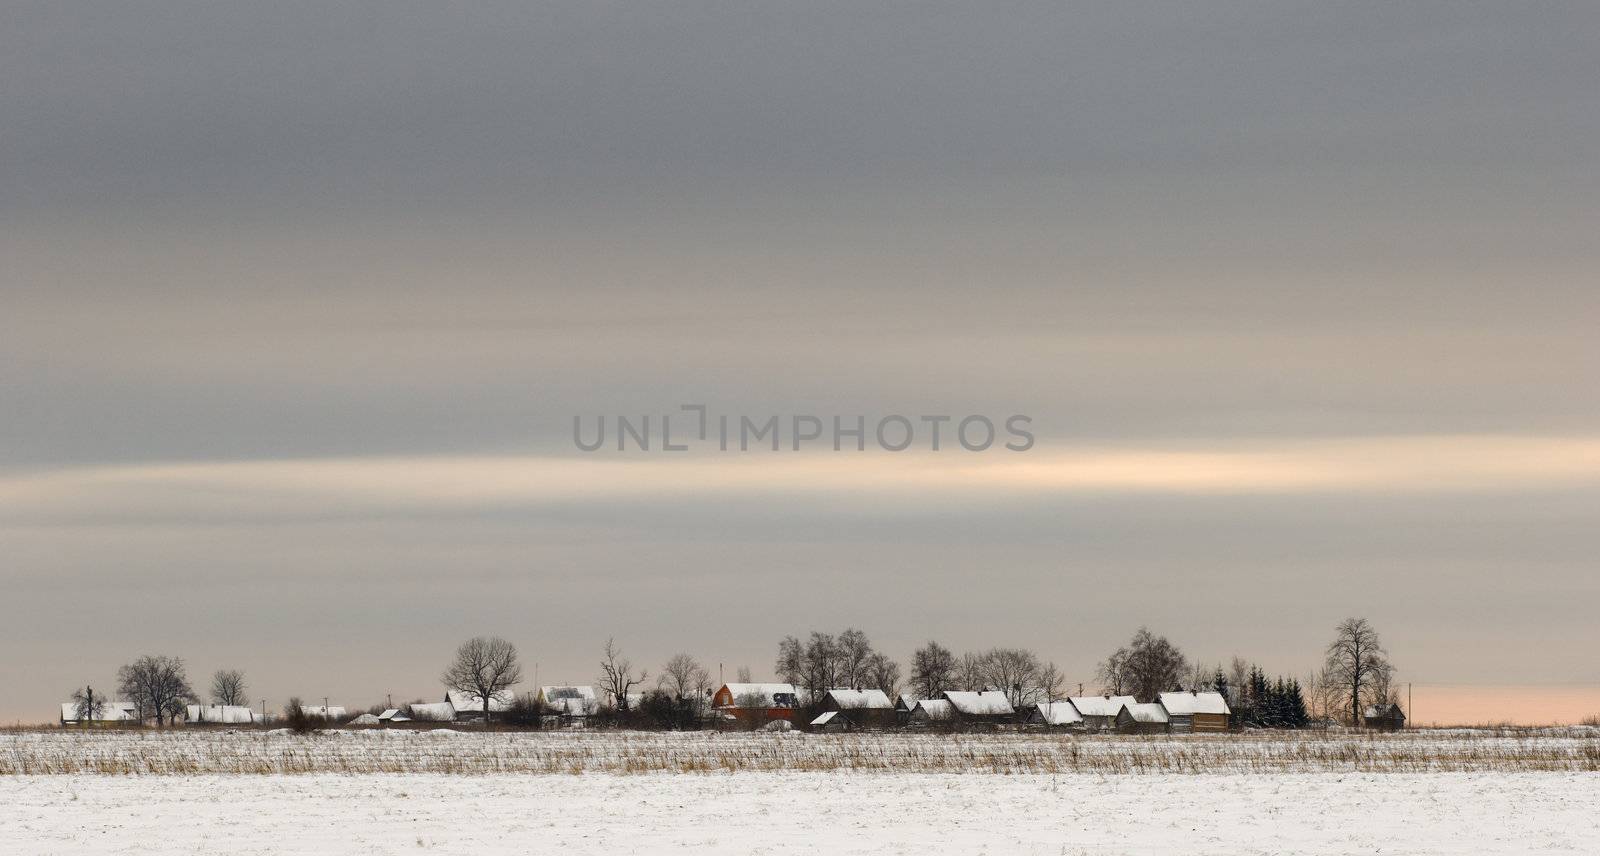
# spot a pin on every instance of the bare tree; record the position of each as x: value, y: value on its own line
x: 617, y: 675
x: 882, y: 673
x: 932, y: 670
x: 852, y: 651
x: 157, y: 685
x: 742, y: 675
x: 971, y: 672
x: 682, y: 676
x: 790, y: 665
x: 227, y: 687
x: 87, y: 705
x: 820, y: 663
x: 1357, y: 663
x: 1148, y: 666
x: 1021, y: 675
x: 485, y: 666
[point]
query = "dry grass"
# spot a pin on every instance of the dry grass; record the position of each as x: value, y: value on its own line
x: 178, y: 752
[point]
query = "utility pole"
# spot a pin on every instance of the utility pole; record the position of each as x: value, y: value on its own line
x: 1410, y: 711
x: 1080, y: 689
x: 390, y: 697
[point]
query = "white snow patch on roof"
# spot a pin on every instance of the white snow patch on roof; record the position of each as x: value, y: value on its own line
x: 1189, y: 703
x: 986, y: 703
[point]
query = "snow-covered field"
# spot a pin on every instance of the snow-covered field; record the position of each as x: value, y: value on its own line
x: 408, y: 792
x: 1401, y: 813
x: 179, y: 751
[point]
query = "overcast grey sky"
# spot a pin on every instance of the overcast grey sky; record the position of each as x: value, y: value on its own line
x: 298, y: 300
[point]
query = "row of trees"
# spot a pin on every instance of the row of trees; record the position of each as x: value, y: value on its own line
x: 1355, y: 673
x: 159, y: 688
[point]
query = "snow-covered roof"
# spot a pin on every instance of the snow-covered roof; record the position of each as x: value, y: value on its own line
x: 906, y: 702
x: 986, y: 703
x: 1058, y: 713
x: 934, y: 708
x: 231, y: 714
x: 1151, y: 712
x: 393, y: 714
x: 473, y: 703
x: 768, y: 695
x: 1192, y: 702
x: 1101, y: 705
x: 324, y: 711
x: 365, y: 719
x: 440, y: 711
x: 825, y: 718
x: 860, y: 699
x: 1379, y: 710
x: 113, y: 711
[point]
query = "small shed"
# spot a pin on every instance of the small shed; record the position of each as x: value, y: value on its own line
x: 864, y: 708
x: 392, y: 715
x: 1190, y: 712
x: 1384, y: 717
x: 832, y: 720
x: 1056, y: 715
x: 1150, y: 718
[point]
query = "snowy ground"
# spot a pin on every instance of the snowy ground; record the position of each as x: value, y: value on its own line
x: 380, y: 791
x: 878, y: 813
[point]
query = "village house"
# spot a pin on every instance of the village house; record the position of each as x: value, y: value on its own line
x: 570, y: 706
x: 832, y: 720
x: 754, y: 705
x: 1056, y: 715
x: 1384, y: 717
x: 439, y: 711
x: 111, y: 713
x: 1189, y: 712
x: 863, y: 708
x: 332, y: 713
x: 391, y: 716
x: 1148, y: 718
x: 469, y: 706
x: 986, y: 709
x: 932, y: 713
x: 1100, y: 712
x: 220, y: 714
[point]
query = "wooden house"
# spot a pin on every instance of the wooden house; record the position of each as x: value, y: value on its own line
x: 986, y: 709
x: 1384, y: 717
x: 1100, y: 712
x: 863, y: 708
x: 469, y: 706
x: 1150, y: 718
x: 1190, y: 712
x: 932, y: 713
x: 220, y: 714
x: 1056, y: 715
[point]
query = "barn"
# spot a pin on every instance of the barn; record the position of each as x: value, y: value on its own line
x: 1056, y: 715
x: 1150, y: 718
x: 754, y: 705
x: 986, y: 709
x: 863, y: 708
x: 1190, y: 712
x: 832, y: 720
x: 1384, y: 717
x: 1099, y: 712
